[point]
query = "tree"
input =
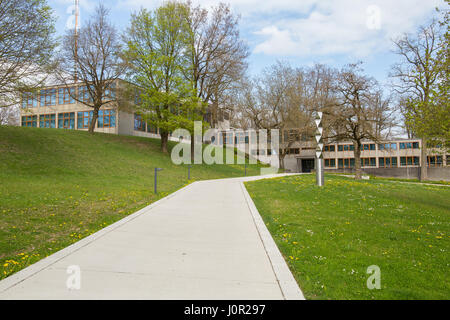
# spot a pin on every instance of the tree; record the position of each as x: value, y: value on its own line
x: 360, y: 112
x: 276, y: 100
x: 9, y: 116
x: 216, y: 54
x: 419, y: 75
x: 26, y: 47
x: 157, y: 52
x: 91, y: 59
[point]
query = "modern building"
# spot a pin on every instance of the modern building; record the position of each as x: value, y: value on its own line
x: 55, y: 107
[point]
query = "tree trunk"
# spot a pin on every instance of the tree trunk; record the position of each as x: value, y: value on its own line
x: 93, y: 121
x: 423, y: 161
x: 164, y: 139
x: 357, y: 153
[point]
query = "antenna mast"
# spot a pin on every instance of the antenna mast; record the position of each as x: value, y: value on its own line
x: 77, y: 17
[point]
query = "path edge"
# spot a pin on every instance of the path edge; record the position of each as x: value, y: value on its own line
x: 288, y: 285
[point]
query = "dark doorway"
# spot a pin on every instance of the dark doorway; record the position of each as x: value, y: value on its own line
x: 307, y: 165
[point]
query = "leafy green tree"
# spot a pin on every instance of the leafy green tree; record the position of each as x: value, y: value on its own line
x: 156, y: 50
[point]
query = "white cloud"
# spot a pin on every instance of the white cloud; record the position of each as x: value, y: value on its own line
x: 320, y: 27
x: 344, y: 27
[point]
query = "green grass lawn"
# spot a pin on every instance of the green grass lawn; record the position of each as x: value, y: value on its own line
x: 58, y: 186
x: 330, y: 235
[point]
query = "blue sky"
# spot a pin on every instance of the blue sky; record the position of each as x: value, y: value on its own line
x: 302, y: 32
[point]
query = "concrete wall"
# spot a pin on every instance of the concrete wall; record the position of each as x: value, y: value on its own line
x: 434, y: 174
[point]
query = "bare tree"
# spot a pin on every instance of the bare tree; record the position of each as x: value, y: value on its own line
x: 360, y: 112
x: 9, y: 116
x: 26, y: 47
x: 92, y: 60
x: 216, y: 53
x: 418, y: 76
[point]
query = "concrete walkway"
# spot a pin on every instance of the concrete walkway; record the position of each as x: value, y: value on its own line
x: 205, y: 241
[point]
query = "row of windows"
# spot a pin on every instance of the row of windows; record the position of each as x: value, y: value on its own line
x: 383, y: 162
x: 106, y: 119
x: 141, y: 125
x: 372, y: 147
x: 47, y: 97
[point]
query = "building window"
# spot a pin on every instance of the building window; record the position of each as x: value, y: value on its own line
x: 409, y: 161
x: 110, y: 91
x: 83, y: 94
x: 29, y: 121
x: 47, y: 121
x: 330, y: 163
x: 66, y: 120
x: 434, y: 161
x: 48, y: 97
x: 139, y: 124
x: 294, y: 151
x: 340, y: 147
x: 65, y: 95
x: 415, y: 145
x: 29, y: 100
x: 346, y: 163
x: 368, y: 162
x: 106, y: 118
x: 389, y: 162
x: 84, y: 119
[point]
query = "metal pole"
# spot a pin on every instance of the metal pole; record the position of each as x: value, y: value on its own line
x: 319, y: 156
x: 156, y: 180
x: 189, y: 172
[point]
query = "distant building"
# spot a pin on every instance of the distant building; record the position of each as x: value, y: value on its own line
x: 55, y: 107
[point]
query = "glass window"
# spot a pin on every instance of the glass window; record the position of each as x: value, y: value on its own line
x: 351, y: 147
x: 402, y: 145
x: 110, y: 91
x: 409, y: 145
x: 83, y: 94
x: 47, y: 121
x: 29, y: 100
x: 106, y: 118
x: 372, y: 146
x: 352, y: 162
x: 340, y: 148
x: 393, y: 146
x: 373, y: 162
x: 332, y: 148
x: 346, y: 147
x: 402, y: 160
x: 381, y: 162
x: 381, y: 146
x: 326, y: 148
x: 48, y: 97
x: 84, y: 119
x: 415, y: 145
x: 66, y: 120
x: 416, y: 161
x: 394, y: 162
x: 66, y: 95
x: 409, y: 161
x: 139, y: 124
x: 29, y: 121
x: 340, y: 163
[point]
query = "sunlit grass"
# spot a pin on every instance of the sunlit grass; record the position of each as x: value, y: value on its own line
x: 329, y: 236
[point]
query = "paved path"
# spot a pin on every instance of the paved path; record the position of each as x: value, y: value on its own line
x: 202, y: 242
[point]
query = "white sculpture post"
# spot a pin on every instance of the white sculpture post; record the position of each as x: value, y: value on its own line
x: 319, y: 156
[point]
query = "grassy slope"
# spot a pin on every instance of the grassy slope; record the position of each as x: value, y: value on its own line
x: 330, y: 235
x: 58, y: 186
